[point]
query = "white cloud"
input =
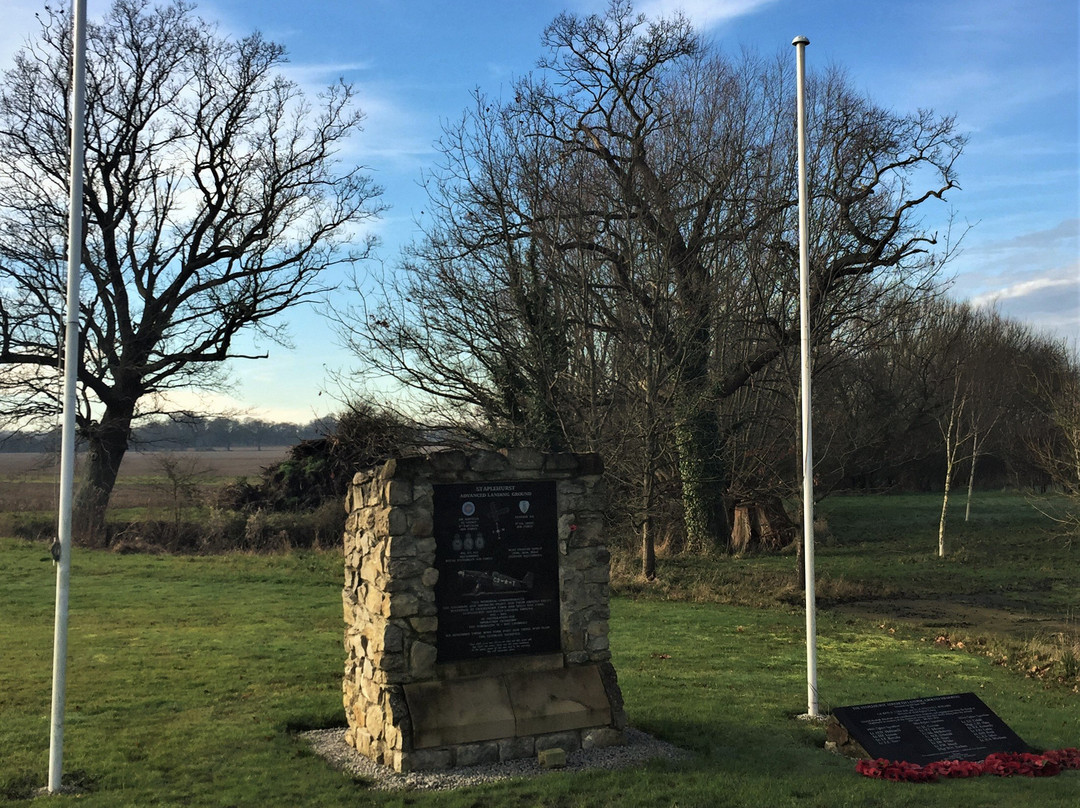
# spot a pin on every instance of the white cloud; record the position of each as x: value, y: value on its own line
x: 704, y: 13
x: 1046, y: 288
x: 316, y: 75
x: 1049, y: 304
x: 396, y: 134
x: 393, y: 137
x: 1033, y: 277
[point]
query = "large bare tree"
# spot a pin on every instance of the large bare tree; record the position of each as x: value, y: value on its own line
x: 638, y: 190
x: 213, y: 201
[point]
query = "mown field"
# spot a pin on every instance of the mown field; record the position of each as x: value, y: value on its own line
x: 1008, y: 571
x: 190, y: 677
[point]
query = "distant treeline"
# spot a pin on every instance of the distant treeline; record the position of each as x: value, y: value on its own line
x: 193, y: 432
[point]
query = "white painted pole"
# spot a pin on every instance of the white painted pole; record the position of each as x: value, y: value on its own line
x: 800, y: 43
x: 71, y: 366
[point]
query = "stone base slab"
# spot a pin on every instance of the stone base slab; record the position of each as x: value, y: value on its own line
x: 471, y: 754
x: 512, y: 705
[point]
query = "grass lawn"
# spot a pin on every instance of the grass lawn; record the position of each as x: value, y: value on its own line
x: 189, y: 677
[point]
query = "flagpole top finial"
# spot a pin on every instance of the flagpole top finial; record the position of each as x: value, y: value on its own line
x: 800, y: 40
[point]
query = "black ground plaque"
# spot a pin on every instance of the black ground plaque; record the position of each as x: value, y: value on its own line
x: 956, y: 727
x: 496, y: 549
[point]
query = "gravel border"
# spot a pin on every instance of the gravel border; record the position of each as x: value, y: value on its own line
x: 330, y: 745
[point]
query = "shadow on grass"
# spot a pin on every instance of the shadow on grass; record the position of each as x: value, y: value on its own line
x: 309, y: 722
x: 28, y: 786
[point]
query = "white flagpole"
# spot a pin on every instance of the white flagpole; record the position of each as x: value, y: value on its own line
x: 800, y: 43
x: 71, y: 366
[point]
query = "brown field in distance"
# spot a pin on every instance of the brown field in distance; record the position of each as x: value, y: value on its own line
x: 219, y: 463
x: 30, y: 482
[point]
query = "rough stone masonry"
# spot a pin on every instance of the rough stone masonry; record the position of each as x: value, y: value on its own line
x: 476, y: 609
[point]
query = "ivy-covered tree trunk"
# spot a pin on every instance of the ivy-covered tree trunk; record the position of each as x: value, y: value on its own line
x: 703, y: 482
x: 697, y: 431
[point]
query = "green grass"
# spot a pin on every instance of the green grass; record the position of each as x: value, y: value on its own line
x: 1007, y: 586
x: 885, y: 547
x: 1007, y: 554
x: 189, y: 677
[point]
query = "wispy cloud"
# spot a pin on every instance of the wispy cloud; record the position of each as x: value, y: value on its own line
x: 1050, y: 304
x: 1034, y: 277
x: 988, y: 21
x: 396, y: 135
x: 1032, y: 249
x: 322, y: 73
x: 982, y: 91
x: 1027, y: 289
x: 1064, y: 234
x: 704, y: 13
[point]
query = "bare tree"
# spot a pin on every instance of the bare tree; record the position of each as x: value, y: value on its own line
x: 1055, y: 444
x: 213, y: 201
x: 999, y: 377
x: 639, y: 173
x: 983, y: 364
x: 183, y: 476
x: 954, y: 438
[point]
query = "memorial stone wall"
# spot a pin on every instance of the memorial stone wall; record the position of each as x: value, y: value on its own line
x: 476, y: 609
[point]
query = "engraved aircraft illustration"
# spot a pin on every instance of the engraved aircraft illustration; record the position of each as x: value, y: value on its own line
x: 496, y: 581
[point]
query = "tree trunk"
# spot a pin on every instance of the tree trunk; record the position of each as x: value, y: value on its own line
x: 648, y: 528
x: 107, y: 442
x: 951, y: 434
x: 742, y: 531
x: 762, y: 526
x: 971, y: 474
x: 950, y: 461
x: 944, y: 512
x: 703, y: 484
x: 648, y: 548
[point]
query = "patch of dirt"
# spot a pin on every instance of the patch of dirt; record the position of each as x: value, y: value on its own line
x: 965, y: 615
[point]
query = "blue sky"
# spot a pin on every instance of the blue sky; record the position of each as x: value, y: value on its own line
x: 1008, y: 70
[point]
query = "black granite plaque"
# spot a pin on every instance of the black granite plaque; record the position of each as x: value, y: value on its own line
x: 956, y: 727
x: 496, y: 549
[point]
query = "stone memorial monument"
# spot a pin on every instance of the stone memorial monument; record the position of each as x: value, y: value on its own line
x: 476, y: 609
